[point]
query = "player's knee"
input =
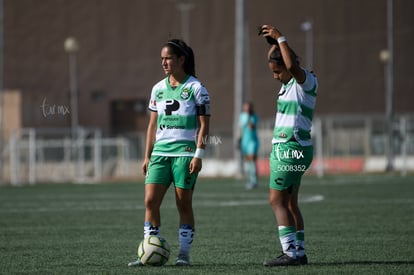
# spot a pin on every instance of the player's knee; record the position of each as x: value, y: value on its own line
x: 294, y: 209
x: 184, y: 207
x: 278, y: 201
x: 151, y: 203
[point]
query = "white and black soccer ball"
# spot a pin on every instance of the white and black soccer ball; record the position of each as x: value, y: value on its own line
x: 154, y: 250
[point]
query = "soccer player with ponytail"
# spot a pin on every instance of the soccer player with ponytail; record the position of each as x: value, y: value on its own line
x: 179, y: 122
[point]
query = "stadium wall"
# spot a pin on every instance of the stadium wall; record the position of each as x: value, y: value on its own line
x: 120, y: 41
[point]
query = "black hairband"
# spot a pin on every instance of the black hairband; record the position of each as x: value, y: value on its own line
x: 179, y: 47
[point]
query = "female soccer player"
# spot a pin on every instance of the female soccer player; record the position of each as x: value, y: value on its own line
x: 249, y: 144
x: 292, y: 151
x: 179, y: 122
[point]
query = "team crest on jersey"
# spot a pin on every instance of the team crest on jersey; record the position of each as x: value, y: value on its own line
x: 185, y: 94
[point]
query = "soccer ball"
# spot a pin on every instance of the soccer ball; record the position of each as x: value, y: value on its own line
x: 153, y: 250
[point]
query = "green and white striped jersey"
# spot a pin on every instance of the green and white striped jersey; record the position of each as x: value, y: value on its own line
x: 177, y: 109
x: 295, y: 108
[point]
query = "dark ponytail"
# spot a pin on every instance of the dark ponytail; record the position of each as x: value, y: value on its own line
x: 180, y: 48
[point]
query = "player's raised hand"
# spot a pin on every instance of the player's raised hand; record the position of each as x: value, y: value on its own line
x: 270, y: 33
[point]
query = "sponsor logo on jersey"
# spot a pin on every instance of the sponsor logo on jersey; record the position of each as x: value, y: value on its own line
x: 171, y: 105
x: 188, y: 149
x: 282, y: 93
x: 170, y: 118
x: 205, y: 99
x: 171, y: 127
x: 160, y: 95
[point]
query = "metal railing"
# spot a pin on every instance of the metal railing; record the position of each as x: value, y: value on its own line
x: 341, y: 142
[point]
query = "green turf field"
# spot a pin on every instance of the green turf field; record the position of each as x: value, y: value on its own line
x: 354, y: 224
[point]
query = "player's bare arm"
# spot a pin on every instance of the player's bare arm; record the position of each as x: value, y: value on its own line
x: 150, y: 140
x: 204, y: 122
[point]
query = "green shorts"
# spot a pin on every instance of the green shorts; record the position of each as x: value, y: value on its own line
x: 288, y: 162
x: 167, y: 170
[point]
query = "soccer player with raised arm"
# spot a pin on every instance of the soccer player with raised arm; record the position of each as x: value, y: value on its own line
x: 292, y: 151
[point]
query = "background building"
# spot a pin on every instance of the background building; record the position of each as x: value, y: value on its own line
x: 118, y: 60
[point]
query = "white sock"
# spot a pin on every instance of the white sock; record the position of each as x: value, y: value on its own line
x: 300, y: 243
x: 287, y: 236
x: 150, y: 230
x: 185, y: 238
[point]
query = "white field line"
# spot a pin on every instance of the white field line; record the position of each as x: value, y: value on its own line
x: 197, y: 203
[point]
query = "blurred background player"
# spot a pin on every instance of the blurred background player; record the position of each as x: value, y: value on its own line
x: 292, y: 151
x: 179, y: 122
x: 249, y: 143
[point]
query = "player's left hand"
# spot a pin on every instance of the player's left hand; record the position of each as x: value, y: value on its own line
x: 270, y: 33
x: 195, y: 165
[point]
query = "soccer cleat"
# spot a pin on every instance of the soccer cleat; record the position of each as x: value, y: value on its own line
x: 182, y: 261
x: 302, y: 260
x: 135, y: 263
x: 282, y: 260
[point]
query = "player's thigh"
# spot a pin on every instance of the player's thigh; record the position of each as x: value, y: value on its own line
x: 181, y: 173
x: 159, y: 171
x: 250, y: 148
